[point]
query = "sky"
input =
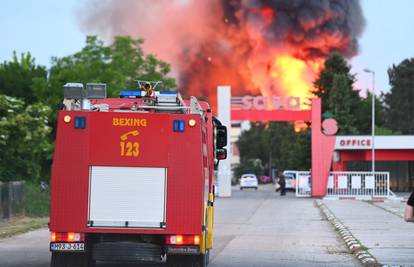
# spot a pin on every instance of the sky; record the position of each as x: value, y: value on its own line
x: 47, y: 28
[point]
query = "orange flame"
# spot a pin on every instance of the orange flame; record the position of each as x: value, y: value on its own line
x: 286, y: 76
x: 292, y: 75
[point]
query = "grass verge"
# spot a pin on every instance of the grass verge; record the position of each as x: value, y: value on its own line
x: 21, y: 225
x: 37, y: 201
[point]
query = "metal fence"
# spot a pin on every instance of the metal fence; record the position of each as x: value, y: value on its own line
x: 359, y: 184
x: 11, y: 199
x: 348, y: 184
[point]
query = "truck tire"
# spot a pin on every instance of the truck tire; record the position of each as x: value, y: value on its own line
x: 68, y: 259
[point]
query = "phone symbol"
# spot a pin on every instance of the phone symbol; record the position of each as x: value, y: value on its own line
x: 125, y: 136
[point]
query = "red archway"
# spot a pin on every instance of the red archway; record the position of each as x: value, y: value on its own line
x: 322, y: 145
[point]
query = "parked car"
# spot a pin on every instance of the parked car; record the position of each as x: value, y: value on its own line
x: 249, y: 180
x: 263, y: 179
x: 290, y: 177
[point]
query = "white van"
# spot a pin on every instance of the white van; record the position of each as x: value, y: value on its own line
x: 290, y: 177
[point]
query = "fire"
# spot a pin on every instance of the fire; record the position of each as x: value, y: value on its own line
x: 285, y: 76
x: 256, y: 47
x: 300, y: 126
x: 293, y: 75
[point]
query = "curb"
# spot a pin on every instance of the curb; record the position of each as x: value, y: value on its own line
x: 360, y: 252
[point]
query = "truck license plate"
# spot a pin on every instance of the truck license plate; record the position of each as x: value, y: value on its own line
x: 67, y: 247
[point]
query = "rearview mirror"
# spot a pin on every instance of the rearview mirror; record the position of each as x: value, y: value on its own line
x: 221, y: 136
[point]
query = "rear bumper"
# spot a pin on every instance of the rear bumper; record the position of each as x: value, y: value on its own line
x: 126, y: 252
x: 126, y: 248
x: 249, y: 186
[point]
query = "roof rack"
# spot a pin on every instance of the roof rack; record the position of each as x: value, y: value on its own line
x: 154, y: 84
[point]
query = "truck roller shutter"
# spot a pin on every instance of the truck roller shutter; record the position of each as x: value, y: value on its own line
x: 127, y: 197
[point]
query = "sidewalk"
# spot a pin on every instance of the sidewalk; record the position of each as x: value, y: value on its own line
x: 396, y: 207
x: 379, y: 227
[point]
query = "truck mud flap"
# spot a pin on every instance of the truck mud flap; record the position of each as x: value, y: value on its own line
x: 126, y: 252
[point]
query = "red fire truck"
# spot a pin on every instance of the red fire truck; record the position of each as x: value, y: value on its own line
x: 132, y: 178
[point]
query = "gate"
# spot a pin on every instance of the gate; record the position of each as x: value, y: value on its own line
x: 359, y: 185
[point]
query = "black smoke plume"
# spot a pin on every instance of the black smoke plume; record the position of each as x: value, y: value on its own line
x: 211, y: 42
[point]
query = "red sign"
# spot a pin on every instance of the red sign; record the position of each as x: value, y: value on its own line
x: 267, y: 103
x: 355, y: 143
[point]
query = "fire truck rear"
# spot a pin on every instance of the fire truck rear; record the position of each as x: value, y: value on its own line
x: 132, y: 178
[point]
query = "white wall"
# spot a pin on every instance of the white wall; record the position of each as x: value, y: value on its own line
x: 224, y: 171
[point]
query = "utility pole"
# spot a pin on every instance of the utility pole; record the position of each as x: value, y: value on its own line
x: 372, y: 121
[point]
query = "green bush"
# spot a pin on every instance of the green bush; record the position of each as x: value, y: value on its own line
x: 37, y: 201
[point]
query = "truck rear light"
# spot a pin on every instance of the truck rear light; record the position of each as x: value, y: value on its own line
x: 183, y: 240
x: 196, y: 240
x: 52, y: 237
x: 178, y: 239
x: 71, y: 237
x: 67, y: 237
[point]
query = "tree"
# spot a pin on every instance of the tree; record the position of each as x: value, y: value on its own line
x: 364, y: 115
x: 247, y: 166
x: 336, y: 73
x: 277, y: 142
x: 340, y: 103
x: 25, y: 145
x: 300, y: 151
x: 17, y: 77
x: 335, y: 64
x: 118, y: 65
x: 26, y: 121
x: 252, y: 144
x: 399, y: 101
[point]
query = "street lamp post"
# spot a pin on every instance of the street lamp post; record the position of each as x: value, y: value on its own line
x: 372, y: 121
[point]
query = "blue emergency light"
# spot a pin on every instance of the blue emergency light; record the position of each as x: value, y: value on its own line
x: 167, y: 93
x: 178, y: 125
x: 80, y: 122
x: 131, y: 94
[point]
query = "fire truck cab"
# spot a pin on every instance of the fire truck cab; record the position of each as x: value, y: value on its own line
x: 133, y: 178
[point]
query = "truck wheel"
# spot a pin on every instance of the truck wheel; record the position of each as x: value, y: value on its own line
x: 69, y: 260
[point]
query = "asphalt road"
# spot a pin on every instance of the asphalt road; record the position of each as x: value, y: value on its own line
x: 252, y: 228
